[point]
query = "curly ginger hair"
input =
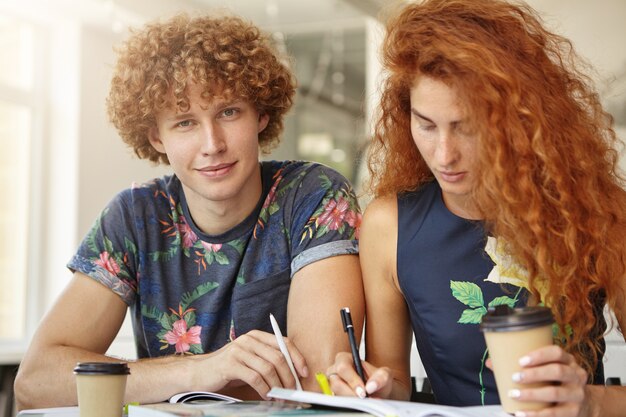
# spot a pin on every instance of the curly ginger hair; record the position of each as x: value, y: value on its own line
x: 548, y: 180
x: 226, y: 55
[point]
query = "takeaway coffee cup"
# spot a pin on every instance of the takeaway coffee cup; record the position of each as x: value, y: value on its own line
x: 511, y: 333
x: 100, y: 387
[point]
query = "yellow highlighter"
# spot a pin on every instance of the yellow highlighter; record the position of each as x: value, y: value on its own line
x: 323, y: 383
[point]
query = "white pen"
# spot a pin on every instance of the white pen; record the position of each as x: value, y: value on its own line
x: 283, y: 349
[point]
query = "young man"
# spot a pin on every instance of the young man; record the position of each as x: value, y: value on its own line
x: 203, y: 257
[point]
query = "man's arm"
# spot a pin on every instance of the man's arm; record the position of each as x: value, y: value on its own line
x: 80, y: 327
x: 318, y: 291
x: 85, y: 320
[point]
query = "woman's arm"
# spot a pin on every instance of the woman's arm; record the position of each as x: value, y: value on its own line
x: 609, y: 401
x: 572, y: 396
x: 388, y: 330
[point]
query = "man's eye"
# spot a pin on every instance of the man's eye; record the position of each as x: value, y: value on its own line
x: 230, y: 112
x: 184, y: 123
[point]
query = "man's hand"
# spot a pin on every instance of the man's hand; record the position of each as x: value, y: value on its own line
x: 253, y: 359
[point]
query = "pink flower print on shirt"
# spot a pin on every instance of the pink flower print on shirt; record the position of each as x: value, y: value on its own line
x: 353, y: 219
x: 183, y: 337
x: 271, y: 196
x: 187, y: 236
x: 108, y: 263
x: 231, y: 332
x: 334, y: 213
x: 210, y: 247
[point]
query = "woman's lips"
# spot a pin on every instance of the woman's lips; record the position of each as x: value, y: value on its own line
x: 452, y: 176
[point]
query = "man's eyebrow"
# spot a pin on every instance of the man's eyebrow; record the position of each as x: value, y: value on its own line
x: 220, y: 104
x: 420, y: 115
x: 179, y: 116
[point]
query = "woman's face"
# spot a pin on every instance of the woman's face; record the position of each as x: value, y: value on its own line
x: 443, y: 136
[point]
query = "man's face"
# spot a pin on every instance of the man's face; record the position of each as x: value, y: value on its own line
x: 443, y: 137
x: 213, y: 148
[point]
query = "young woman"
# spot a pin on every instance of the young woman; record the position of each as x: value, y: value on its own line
x: 495, y: 173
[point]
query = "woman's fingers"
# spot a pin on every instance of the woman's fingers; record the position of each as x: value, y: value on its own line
x: 344, y: 379
x: 563, y: 383
x: 380, y: 381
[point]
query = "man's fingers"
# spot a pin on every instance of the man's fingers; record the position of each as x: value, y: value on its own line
x: 297, y: 358
x: 265, y: 357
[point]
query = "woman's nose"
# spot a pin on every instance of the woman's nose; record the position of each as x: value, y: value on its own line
x: 447, y: 151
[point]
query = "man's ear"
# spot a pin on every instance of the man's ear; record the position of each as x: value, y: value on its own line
x: 264, y: 119
x: 155, y: 139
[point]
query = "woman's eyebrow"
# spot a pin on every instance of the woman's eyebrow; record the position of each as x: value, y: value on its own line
x: 420, y: 115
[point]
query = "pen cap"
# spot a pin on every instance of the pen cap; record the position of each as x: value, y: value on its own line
x: 346, y: 318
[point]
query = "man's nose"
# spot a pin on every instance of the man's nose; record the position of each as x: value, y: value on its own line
x: 212, y: 140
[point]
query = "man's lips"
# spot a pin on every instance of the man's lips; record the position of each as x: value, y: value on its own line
x: 217, y: 170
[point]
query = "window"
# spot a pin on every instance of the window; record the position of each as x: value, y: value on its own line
x: 17, y: 117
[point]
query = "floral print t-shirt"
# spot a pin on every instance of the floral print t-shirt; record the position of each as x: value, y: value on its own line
x: 190, y: 292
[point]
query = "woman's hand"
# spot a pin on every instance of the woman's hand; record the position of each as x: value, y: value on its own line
x: 344, y: 379
x: 567, y: 390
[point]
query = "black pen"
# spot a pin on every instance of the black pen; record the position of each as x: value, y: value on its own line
x: 346, y: 319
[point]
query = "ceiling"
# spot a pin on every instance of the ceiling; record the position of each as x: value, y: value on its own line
x: 284, y: 15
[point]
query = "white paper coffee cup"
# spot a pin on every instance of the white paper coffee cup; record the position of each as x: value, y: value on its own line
x: 511, y: 333
x: 100, y: 387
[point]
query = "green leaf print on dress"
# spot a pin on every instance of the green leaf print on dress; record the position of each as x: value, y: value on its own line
x: 471, y: 295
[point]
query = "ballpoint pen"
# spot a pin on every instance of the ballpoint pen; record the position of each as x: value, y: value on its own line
x: 346, y: 319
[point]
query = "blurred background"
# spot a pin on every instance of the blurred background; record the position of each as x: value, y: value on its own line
x: 61, y: 161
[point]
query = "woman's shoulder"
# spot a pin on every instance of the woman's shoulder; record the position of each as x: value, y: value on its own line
x: 381, y: 213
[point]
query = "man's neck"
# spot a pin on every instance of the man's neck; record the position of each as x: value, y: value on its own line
x: 218, y: 217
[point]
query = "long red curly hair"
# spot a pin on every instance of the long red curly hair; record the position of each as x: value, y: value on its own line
x: 548, y: 180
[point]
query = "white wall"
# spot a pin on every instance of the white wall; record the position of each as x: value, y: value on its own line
x: 106, y: 165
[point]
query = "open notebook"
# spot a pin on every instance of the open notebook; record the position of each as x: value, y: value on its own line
x: 386, y: 408
x: 191, y: 396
